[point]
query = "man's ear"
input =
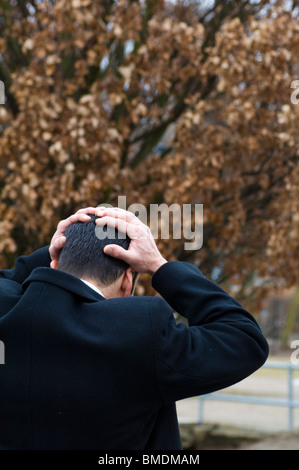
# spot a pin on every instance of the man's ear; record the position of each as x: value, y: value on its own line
x: 127, y: 282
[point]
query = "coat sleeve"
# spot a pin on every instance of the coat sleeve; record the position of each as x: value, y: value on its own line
x: 222, y: 345
x: 26, y: 264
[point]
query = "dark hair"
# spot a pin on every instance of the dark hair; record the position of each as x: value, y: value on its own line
x: 83, y: 256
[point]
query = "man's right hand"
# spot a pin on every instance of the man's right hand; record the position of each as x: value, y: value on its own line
x: 143, y: 255
x: 58, y: 239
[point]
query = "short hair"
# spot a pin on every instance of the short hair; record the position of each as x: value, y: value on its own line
x: 83, y: 255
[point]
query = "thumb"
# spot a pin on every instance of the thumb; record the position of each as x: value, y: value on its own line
x: 54, y: 264
x: 116, y: 251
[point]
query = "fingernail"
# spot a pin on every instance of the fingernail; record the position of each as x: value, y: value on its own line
x: 109, y: 251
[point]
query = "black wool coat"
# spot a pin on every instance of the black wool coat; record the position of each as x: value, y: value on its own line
x: 85, y: 372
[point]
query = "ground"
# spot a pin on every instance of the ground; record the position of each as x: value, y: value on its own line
x: 280, y: 442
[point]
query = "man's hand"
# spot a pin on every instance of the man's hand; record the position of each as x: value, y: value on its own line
x: 58, y: 239
x: 143, y: 255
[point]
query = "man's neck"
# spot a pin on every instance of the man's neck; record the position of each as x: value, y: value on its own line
x: 109, y: 292
x: 93, y: 286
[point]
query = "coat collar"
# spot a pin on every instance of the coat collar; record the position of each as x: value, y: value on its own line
x: 63, y: 280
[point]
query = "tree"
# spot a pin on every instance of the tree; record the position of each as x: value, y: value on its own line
x: 161, y: 102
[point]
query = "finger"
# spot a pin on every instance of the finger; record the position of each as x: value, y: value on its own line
x: 82, y: 217
x: 78, y: 217
x: 120, y: 224
x: 87, y: 210
x: 132, y: 230
x: 56, y: 247
x: 59, y: 243
x: 119, y: 213
x: 117, y: 251
x: 54, y: 264
x: 104, y: 208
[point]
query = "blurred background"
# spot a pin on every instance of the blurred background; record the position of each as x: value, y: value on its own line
x: 188, y: 102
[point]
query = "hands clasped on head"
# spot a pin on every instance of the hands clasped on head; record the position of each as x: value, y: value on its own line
x: 143, y: 255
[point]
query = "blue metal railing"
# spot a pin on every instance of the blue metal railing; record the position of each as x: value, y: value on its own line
x: 288, y: 402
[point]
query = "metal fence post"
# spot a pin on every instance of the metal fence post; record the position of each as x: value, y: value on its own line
x: 200, y: 415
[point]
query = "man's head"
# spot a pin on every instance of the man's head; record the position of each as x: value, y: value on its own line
x: 83, y: 256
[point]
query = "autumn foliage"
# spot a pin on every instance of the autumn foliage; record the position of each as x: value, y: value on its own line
x: 160, y: 102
